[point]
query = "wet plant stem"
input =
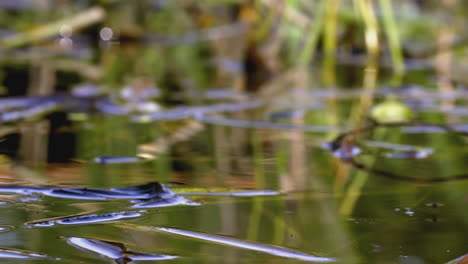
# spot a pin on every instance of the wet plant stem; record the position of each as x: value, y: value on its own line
x: 315, y: 29
x: 366, y: 9
x: 391, y: 30
x: 330, y: 28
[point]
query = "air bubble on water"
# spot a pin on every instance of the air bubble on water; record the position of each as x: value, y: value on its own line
x: 410, y: 213
x: 106, y: 34
x: 65, y: 31
x: 434, y: 204
x: 376, y: 248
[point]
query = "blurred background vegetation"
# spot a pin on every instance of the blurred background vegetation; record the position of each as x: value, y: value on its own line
x: 240, y: 44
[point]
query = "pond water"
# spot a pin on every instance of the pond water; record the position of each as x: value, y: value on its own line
x: 117, y: 150
x: 245, y: 187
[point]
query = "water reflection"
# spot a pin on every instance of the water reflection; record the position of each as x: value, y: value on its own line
x: 114, y: 250
x: 273, y: 250
x: 83, y: 219
x: 8, y: 253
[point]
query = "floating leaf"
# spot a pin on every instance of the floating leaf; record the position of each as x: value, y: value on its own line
x: 391, y: 111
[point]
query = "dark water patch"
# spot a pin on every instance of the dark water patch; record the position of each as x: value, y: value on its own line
x: 116, y: 251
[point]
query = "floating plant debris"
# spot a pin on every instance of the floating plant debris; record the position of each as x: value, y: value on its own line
x: 341, y: 150
x: 145, y: 191
x: 83, y: 219
x: 114, y: 250
x: 9, y: 253
x: 269, y: 249
x: 151, y: 195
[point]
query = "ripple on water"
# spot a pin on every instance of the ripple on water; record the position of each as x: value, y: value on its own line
x: 83, y: 219
x: 6, y: 228
x: 113, y: 250
x: 9, y: 253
